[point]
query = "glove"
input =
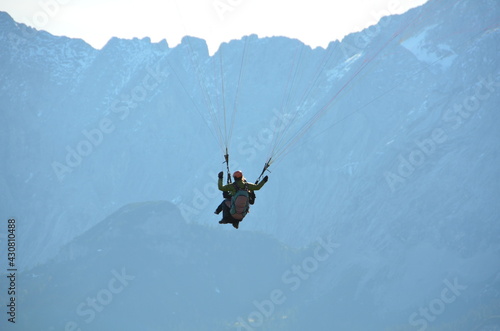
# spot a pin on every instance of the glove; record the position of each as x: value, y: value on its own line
x: 265, y: 179
x: 221, y: 174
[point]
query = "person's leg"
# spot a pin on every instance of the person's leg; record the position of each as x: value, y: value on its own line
x: 226, y: 212
x: 219, y: 208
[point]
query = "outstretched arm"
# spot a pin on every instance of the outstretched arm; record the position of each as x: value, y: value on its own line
x: 256, y: 187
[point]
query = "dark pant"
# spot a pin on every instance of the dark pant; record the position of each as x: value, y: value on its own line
x: 226, y: 211
x: 226, y: 214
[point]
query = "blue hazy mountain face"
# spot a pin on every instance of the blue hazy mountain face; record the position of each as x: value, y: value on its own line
x: 400, y: 173
x: 146, y: 261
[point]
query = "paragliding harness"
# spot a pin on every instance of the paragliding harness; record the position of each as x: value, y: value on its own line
x: 240, y: 202
x: 251, y: 197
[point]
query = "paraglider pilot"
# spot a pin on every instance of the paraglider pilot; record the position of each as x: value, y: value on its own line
x: 236, y: 203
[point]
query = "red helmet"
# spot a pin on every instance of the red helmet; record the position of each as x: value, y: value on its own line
x: 238, y: 174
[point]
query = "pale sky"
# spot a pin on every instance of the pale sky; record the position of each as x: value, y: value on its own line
x: 314, y: 22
